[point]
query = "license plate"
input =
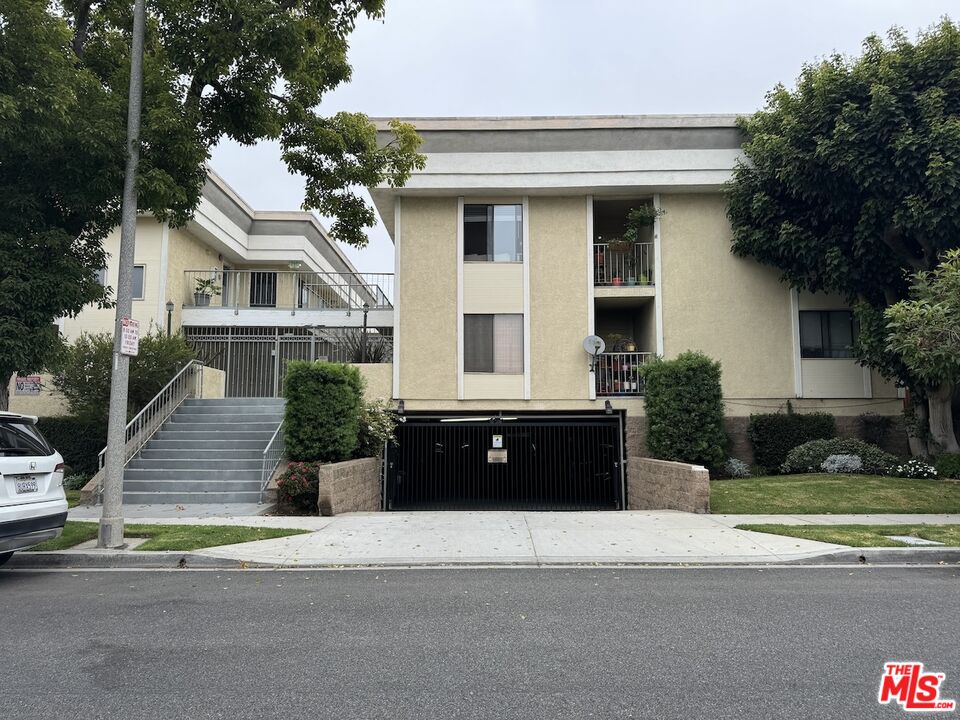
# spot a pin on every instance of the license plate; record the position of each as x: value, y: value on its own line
x: 25, y: 485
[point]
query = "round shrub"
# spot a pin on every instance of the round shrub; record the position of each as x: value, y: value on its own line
x: 948, y: 466
x: 914, y: 469
x: 810, y: 456
x: 842, y: 464
x: 735, y: 468
x: 684, y: 404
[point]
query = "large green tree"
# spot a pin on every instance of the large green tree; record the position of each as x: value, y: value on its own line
x: 248, y: 70
x: 851, y: 180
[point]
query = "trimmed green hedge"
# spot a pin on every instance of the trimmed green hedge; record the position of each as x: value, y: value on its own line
x: 77, y: 439
x: 773, y: 435
x: 948, y: 466
x: 684, y: 404
x: 808, y: 458
x: 322, y: 417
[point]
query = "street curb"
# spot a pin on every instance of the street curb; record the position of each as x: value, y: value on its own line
x: 171, y: 560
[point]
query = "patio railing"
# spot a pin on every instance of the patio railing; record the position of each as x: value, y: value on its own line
x: 618, y: 265
x: 287, y: 289
x: 618, y: 373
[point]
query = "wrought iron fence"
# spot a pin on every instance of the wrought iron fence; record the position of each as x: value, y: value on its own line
x: 623, y: 263
x: 185, y: 384
x: 272, y: 455
x: 287, y: 289
x: 618, y: 373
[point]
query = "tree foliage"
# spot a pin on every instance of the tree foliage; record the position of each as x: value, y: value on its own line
x: 82, y: 369
x: 248, y: 70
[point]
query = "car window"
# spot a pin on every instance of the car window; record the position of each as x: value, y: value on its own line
x: 18, y: 437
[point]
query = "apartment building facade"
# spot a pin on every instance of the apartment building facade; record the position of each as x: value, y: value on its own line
x: 510, y: 253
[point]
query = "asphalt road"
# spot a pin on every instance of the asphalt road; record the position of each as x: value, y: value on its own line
x: 494, y: 643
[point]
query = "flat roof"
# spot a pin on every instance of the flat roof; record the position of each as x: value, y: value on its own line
x: 564, y: 122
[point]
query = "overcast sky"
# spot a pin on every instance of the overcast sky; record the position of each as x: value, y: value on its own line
x: 573, y: 57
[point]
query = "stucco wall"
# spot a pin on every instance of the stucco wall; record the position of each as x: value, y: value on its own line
x: 186, y: 253
x: 733, y: 309
x: 147, y: 253
x: 558, y: 298
x: 492, y: 287
x: 48, y: 403
x: 427, y: 289
x: 378, y: 378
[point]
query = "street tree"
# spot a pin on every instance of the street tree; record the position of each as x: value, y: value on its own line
x: 247, y: 70
x: 925, y: 332
x: 851, y: 181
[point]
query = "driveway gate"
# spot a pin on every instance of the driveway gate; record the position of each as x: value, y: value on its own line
x: 538, y: 462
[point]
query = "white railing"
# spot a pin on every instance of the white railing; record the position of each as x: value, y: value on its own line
x: 185, y: 384
x: 272, y: 455
x: 623, y: 264
x: 618, y: 373
x: 287, y: 290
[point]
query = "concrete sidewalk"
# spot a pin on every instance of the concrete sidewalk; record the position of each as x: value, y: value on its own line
x: 529, y: 538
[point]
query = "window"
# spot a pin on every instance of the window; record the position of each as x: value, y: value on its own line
x: 493, y: 344
x: 139, y: 272
x: 102, y: 276
x: 493, y: 233
x: 263, y: 289
x: 827, y: 333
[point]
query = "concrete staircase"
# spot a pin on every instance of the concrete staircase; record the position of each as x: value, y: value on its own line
x: 209, y: 451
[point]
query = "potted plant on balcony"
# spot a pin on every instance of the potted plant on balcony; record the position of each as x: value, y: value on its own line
x: 640, y: 217
x: 204, y: 290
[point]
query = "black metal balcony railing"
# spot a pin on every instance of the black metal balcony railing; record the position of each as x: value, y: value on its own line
x: 287, y: 289
x: 618, y: 373
x: 616, y: 264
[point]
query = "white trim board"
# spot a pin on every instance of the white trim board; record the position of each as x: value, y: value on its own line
x: 396, y: 300
x: 525, y: 219
x: 460, y: 298
x: 591, y: 310
x: 657, y: 278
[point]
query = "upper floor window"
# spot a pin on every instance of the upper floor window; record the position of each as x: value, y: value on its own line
x: 827, y: 333
x: 493, y: 233
x: 102, y: 276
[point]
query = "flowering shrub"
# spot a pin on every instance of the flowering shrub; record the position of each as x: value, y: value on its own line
x: 736, y: 468
x: 914, y: 469
x: 377, y: 425
x: 298, y: 489
x: 809, y: 457
x: 842, y: 464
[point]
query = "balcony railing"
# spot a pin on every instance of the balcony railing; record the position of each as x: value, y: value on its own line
x: 616, y: 265
x: 287, y: 290
x: 618, y: 373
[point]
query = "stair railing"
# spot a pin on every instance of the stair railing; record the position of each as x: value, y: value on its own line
x: 187, y: 383
x: 272, y: 455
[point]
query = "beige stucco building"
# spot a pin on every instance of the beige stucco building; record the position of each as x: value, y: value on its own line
x: 510, y: 253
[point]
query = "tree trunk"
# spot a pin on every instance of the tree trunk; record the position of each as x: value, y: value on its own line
x: 917, y: 441
x: 940, y: 400
x: 5, y: 392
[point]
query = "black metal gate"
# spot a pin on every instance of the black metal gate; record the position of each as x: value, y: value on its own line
x: 533, y: 462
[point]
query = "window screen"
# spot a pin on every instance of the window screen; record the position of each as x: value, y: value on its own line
x: 493, y: 233
x: 493, y: 344
x: 827, y: 333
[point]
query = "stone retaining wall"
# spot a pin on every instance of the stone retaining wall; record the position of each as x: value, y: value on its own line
x: 352, y: 486
x: 662, y: 485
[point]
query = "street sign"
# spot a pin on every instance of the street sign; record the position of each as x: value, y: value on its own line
x: 27, y: 385
x: 129, y: 336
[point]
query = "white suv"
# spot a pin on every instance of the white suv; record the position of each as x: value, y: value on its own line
x: 33, y: 506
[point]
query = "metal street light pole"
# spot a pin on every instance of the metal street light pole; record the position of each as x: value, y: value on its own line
x: 111, y: 521
x: 363, y: 348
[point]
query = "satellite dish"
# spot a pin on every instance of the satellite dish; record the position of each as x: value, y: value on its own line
x: 594, y: 344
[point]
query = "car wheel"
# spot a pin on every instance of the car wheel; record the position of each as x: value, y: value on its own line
x: 5, y: 556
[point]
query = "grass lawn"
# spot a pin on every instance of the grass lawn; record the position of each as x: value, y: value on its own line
x: 73, y: 497
x: 169, y: 537
x: 863, y: 535
x: 835, y: 494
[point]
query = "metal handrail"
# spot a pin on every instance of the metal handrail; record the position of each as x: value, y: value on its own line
x: 188, y: 382
x: 619, y: 267
x: 618, y: 373
x: 271, y: 458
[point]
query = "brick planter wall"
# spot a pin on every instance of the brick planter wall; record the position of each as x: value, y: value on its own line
x: 662, y: 485
x: 352, y: 486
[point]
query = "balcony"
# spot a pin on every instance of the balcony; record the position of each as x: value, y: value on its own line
x: 623, y: 272
x: 618, y: 373
x: 287, y: 298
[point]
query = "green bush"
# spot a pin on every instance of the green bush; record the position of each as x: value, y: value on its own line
x: 81, y: 371
x: 298, y: 489
x: 377, y: 425
x: 810, y: 456
x: 773, y: 435
x: 684, y: 404
x: 948, y: 466
x: 79, y: 440
x: 322, y: 417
